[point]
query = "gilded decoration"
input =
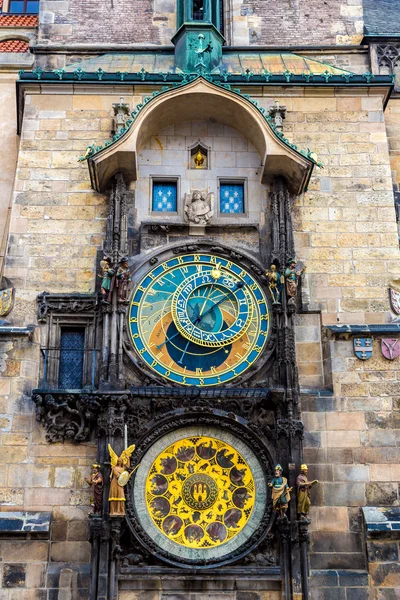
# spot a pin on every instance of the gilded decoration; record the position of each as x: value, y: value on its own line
x: 200, y: 492
x: 119, y: 477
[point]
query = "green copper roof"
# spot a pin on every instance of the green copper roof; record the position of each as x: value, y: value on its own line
x: 232, y: 62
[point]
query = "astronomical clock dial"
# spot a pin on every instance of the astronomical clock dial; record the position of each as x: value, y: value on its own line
x: 199, y: 319
x: 200, y: 493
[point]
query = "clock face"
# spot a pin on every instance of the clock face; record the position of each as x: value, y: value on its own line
x: 198, y: 319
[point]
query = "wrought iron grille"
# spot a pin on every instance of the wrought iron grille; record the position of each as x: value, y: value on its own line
x: 72, y: 348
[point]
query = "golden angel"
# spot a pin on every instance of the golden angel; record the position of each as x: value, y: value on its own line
x: 119, y: 477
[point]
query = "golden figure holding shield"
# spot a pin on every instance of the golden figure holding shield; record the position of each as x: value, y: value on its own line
x: 119, y: 477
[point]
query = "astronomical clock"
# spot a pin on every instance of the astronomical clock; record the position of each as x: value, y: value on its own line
x: 199, y: 496
x: 199, y: 320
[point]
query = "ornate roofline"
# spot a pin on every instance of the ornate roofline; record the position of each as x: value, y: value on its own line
x: 186, y: 79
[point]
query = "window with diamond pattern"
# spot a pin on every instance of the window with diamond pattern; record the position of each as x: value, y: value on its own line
x: 72, y: 348
x: 164, y: 196
x: 231, y: 199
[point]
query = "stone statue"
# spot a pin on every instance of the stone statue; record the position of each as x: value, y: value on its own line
x: 303, y: 492
x: 96, y: 482
x: 107, y: 273
x: 292, y: 276
x: 280, y: 492
x: 275, y: 284
x: 123, y: 278
x: 199, y: 207
x: 119, y: 477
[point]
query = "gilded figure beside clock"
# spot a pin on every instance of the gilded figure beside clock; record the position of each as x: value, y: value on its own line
x: 199, y: 319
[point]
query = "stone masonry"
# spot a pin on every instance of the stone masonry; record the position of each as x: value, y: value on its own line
x: 346, y: 234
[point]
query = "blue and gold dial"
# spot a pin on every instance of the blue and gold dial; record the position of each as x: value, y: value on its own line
x: 199, y: 319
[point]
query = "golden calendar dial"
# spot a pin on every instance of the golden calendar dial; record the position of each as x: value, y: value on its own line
x: 200, y: 492
x: 199, y: 495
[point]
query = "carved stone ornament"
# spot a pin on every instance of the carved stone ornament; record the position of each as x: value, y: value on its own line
x: 65, y: 303
x: 66, y: 416
x: 199, y: 207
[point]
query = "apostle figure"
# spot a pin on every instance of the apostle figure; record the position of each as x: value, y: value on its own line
x: 303, y: 492
x: 96, y: 482
x: 280, y: 492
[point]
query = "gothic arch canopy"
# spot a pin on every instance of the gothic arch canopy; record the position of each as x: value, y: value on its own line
x: 202, y: 100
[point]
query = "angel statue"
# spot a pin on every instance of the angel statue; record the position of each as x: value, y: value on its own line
x: 119, y: 477
x: 199, y: 207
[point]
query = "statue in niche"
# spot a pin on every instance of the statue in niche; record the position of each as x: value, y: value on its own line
x: 292, y: 278
x: 303, y: 492
x: 123, y: 278
x: 275, y: 284
x: 119, y: 477
x: 280, y: 492
x: 96, y: 483
x: 199, y: 157
x: 199, y: 207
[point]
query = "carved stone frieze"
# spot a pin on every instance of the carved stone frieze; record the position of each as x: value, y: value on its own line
x: 388, y: 56
x: 66, y: 416
x: 289, y: 428
x: 72, y: 416
x: 65, y: 303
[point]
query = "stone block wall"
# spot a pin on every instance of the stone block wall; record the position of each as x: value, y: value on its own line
x: 296, y: 22
x: 85, y: 21
x: 346, y: 235
x: 345, y: 224
x: 352, y: 446
x: 231, y: 157
x: 57, y: 221
x: 392, y: 119
x: 8, y: 159
x: 247, y: 22
x: 37, y: 476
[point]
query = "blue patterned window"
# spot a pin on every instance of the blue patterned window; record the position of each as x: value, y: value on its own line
x: 231, y: 198
x: 164, y: 196
x: 72, y: 347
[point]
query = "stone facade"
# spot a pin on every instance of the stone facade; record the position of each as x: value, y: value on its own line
x: 247, y: 22
x: 346, y: 233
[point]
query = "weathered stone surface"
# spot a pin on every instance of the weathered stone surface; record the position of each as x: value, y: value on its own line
x: 336, y: 542
x: 381, y: 493
x: 385, y: 574
x: 382, y: 551
x: 14, y: 575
